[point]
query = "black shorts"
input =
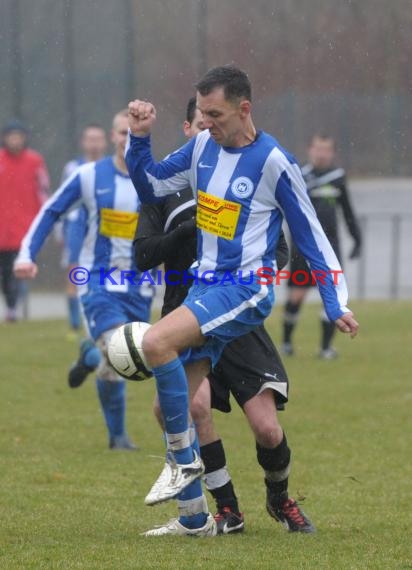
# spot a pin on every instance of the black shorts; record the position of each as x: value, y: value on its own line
x: 248, y: 365
x: 300, y: 274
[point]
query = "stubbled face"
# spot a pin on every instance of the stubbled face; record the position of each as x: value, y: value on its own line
x: 15, y: 141
x: 321, y: 153
x: 195, y: 127
x: 224, y: 119
x: 119, y: 134
x: 93, y: 143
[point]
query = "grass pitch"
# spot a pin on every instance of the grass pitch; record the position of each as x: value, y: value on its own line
x: 66, y: 501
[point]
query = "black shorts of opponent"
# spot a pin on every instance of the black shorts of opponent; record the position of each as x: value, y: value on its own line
x: 248, y: 365
x: 300, y: 274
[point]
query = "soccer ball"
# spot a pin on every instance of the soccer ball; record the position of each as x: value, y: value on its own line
x: 125, y: 352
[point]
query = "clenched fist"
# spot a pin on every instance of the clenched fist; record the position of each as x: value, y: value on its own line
x: 142, y: 116
x: 25, y: 269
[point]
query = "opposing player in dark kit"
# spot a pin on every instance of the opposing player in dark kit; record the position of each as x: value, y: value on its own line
x: 328, y: 191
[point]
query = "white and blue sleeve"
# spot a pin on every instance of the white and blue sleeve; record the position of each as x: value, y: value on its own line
x: 308, y: 235
x: 151, y: 179
x: 66, y: 197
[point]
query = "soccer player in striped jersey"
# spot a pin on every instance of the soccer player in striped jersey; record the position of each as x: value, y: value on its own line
x: 244, y: 184
x: 328, y: 191
x: 93, y: 144
x: 106, y: 192
x: 249, y: 369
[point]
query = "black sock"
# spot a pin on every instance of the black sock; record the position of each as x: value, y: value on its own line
x: 328, y: 332
x: 225, y: 497
x: 217, y: 478
x: 290, y: 317
x: 275, y: 462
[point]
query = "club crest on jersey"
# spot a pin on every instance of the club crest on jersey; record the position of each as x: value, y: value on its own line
x: 242, y: 187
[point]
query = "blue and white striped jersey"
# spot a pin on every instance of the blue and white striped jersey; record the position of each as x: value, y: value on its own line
x: 112, y: 212
x: 242, y: 195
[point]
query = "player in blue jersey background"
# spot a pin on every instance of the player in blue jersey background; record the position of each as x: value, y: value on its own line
x: 106, y: 192
x: 245, y: 184
x: 93, y: 146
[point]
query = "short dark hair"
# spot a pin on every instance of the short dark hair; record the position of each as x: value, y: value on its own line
x: 323, y: 136
x: 235, y: 83
x: 191, y: 110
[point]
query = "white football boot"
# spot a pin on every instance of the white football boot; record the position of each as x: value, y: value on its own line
x: 174, y: 478
x: 174, y: 527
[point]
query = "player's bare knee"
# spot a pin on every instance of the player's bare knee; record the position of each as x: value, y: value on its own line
x: 153, y: 347
x: 268, y: 433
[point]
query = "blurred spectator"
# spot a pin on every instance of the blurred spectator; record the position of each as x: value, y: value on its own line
x: 24, y: 183
x: 328, y: 191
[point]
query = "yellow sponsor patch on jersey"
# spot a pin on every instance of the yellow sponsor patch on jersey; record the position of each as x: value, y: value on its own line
x: 217, y: 216
x: 117, y: 224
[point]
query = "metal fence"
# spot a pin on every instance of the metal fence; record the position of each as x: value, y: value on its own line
x: 384, y: 269
x: 69, y: 62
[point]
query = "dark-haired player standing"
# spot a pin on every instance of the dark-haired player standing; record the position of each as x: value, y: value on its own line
x: 244, y: 183
x: 249, y: 369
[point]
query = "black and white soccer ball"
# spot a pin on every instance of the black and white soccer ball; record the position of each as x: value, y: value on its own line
x: 125, y: 351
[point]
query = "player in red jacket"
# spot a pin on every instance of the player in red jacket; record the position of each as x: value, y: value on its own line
x: 24, y: 183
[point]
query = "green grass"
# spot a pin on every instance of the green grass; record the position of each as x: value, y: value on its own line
x: 67, y: 502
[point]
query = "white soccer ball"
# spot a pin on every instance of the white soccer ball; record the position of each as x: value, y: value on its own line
x: 125, y: 352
